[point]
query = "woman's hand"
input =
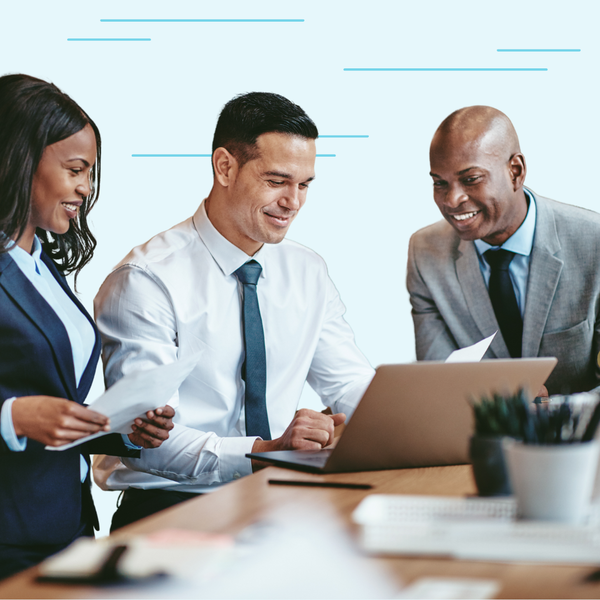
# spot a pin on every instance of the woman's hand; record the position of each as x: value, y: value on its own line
x: 151, y: 433
x: 55, y: 421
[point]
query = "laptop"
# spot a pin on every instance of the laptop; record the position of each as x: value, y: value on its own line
x: 416, y: 415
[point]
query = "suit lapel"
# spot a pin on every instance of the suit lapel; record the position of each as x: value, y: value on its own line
x: 544, y: 272
x: 21, y: 290
x: 90, y: 370
x: 477, y: 297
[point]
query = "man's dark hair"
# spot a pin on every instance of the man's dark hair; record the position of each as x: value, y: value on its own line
x: 35, y: 114
x: 248, y: 116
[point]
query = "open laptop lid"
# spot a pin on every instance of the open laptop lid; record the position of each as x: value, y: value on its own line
x: 418, y: 415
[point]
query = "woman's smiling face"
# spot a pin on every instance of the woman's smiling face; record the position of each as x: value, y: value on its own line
x: 60, y: 183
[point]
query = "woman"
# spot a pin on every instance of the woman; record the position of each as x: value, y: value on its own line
x: 49, y: 345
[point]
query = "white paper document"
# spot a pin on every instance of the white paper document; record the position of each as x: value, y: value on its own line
x: 135, y: 394
x: 472, y: 353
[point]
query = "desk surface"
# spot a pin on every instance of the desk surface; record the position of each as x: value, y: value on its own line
x: 245, y: 501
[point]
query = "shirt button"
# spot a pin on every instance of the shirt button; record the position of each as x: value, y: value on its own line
x: 236, y: 475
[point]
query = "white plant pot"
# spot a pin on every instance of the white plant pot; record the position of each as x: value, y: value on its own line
x: 552, y: 483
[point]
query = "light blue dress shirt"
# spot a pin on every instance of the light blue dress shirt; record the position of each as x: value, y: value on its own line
x: 521, y: 243
x: 81, y: 333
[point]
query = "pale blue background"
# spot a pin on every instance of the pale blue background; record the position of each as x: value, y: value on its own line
x: 164, y: 96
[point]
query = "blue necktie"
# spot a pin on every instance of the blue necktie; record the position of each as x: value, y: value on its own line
x: 504, y: 301
x: 254, y: 369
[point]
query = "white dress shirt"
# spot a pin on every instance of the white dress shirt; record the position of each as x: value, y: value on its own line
x: 176, y: 296
x: 521, y: 243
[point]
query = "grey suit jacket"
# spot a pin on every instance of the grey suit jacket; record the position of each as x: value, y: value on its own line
x: 451, y: 307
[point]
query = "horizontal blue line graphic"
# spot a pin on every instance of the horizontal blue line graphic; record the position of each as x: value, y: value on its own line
x: 202, y: 20
x: 450, y: 69
x: 325, y: 155
x: 343, y: 136
x: 538, y: 50
x: 109, y: 40
x: 194, y: 155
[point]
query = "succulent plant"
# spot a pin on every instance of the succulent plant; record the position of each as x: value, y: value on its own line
x: 500, y: 415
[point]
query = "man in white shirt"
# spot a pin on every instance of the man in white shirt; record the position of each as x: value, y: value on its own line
x: 185, y: 292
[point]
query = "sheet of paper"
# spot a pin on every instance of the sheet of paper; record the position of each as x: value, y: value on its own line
x: 472, y: 353
x: 135, y: 394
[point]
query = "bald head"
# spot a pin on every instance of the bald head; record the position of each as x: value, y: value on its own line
x: 478, y: 173
x: 480, y: 125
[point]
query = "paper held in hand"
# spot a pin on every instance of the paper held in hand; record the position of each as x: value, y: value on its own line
x: 135, y: 394
x: 472, y: 353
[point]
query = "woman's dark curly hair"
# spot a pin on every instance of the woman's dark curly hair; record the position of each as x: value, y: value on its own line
x: 33, y: 115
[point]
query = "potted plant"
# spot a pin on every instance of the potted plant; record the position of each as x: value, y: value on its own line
x: 553, y: 468
x: 495, y: 417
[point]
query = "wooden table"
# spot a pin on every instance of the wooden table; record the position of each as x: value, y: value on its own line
x: 243, y: 502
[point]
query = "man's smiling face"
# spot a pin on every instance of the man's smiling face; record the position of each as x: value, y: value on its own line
x: 269, y: 191
x: 473, y: 186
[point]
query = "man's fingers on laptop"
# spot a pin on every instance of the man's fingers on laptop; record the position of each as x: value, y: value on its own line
x: 309, y: 430
x: 309, y: 438
x: 338, y: 419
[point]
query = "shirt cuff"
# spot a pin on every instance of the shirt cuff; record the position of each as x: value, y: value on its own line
x: 129, y: 444
x: 83, y: 468
x: 233, y: 463
x: 7, y: 429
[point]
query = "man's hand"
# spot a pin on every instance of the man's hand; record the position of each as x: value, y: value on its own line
x: 309, y: 430
x: 55, y: 421
x: 153, y: 431
x: 543, y: 392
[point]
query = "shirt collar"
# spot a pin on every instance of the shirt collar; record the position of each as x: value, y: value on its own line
x: 521, y: 241
x: 226, y: 255
x: 26, y: 261
x: 36, y: 253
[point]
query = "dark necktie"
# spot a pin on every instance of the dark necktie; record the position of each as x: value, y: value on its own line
x: 254, y: 369
x: 504, y: 301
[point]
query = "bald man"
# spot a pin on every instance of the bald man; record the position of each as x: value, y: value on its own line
x: 549, y: 301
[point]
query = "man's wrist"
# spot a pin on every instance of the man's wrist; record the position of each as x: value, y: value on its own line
x: 129, y: 444
x: 261, y: 445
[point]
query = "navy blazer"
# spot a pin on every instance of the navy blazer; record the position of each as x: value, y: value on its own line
x: 41, y: 491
